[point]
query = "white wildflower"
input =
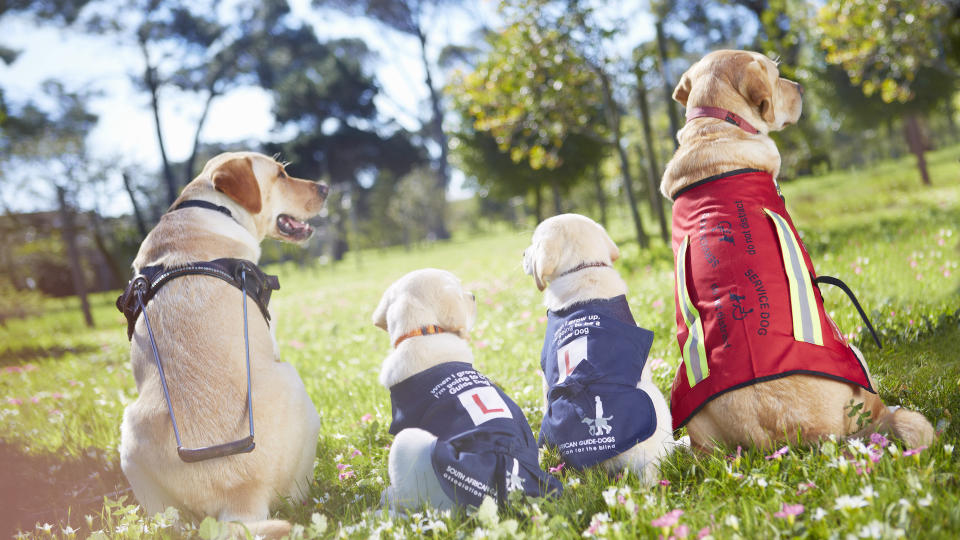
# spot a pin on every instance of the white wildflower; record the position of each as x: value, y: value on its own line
x: 845, y: 502
x: 733, y: 522
x: 868, y: 492
x: 927, y: 500
x: 818, y: 514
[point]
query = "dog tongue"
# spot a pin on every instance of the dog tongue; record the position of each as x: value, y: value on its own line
x: 294, y: 226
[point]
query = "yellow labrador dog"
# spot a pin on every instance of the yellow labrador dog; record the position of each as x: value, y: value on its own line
x: 601, y: 405
x: 459, y: 438
x: 762, y: 361
x: 223, y: 214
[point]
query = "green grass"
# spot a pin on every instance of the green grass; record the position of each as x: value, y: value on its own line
x: 897, y: 244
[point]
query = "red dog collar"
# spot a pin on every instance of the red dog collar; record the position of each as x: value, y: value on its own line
x: 722, y: 114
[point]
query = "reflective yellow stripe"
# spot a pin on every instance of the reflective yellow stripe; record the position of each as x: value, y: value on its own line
x: 693, y: 352
x: 803, y: 303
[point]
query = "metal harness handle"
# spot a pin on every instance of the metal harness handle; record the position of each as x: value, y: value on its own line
x: 191, y: 455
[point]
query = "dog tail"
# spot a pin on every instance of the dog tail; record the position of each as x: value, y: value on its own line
x: 910, y: 427
x: 268, y: 529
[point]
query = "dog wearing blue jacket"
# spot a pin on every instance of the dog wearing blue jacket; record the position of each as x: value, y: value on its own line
x: 459, y: 438
x: 600, y: 403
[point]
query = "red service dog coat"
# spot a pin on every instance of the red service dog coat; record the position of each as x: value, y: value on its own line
x: 747, y: 310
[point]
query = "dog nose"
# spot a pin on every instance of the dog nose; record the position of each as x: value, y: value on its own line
x: 322, y: 189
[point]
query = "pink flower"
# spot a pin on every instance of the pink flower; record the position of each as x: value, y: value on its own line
x: 558, y: 468
x: 296, y: 344
x: 946, y: 273
x: 366, y: 418
x: 656, y: 362
x: 879, y: 440
x: 345, y: 474
x: 914, y: 451
x: 658, y: 304
x: 805, y: 487
x: 669, y: 519
x: 56, y: 395
x: 787, y: 510
x: 356, y: 453
x: 913, y: 263
x: 542, y: 319
x: 482, y: 344
x: 342, y: 466
x: 55, y: 411
x: 857, y: 269
x: 779, y: 453
x: 72, y: 382
x: 681, y: 531
x: 12, y: 369
x: 866, y: 469
x: 14, y: 401
x: 735, y: 457
x: 35, y: 399
x: 875, y: 454
x: 664, y: 482
x: 704, y: 532
x: 29, y: 367
x: 525, y: 315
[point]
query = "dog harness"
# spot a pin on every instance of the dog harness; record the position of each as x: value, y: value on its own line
x: 237, y: 272
x: 592, y: 359
x: 484, y: 444
x: 747, y: 310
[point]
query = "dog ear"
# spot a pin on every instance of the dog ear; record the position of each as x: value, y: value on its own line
x: 682, y: 91
x: 235, y: 178
x: 755, y: 86
x: 611, y: 245
x: 542, y: 263
x: 380, y: 314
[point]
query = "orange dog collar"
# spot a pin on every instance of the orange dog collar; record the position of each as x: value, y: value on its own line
x: 422, y: 331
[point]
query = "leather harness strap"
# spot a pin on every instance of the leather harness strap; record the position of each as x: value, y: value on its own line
x: 151, y: 278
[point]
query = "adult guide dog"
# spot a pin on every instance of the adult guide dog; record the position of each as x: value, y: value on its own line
x: 459, y: 438
x: 601, y: 405
x: 209, y: 241
x: 762, y: 360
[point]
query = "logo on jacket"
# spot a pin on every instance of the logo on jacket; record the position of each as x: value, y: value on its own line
x: 598, y: 425
x: 569, y: 357
x: 484, y: 403
x: 514, y: 480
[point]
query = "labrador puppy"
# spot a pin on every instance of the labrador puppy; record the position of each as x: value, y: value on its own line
x: 762, y: 360
x: 198, y: 324
x: 601, y: 405
x: 459, y: 438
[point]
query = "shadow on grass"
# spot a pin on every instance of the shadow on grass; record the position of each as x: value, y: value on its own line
x: 13, y: 357
x: 48, y: 489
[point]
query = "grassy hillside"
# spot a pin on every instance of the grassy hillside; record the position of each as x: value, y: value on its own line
x: 897, y: 244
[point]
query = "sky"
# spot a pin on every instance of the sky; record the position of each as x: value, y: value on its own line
x: 125, y: 133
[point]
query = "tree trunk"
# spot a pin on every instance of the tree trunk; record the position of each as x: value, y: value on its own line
x: 137, y: 213
x: 913, y: 130
x: 116, y: 273
x: 667, y: 84
x: 613, y: 116
x: 150, y: 78
x: 73, y: 255
x: 188, y: 166
x: 439, y: 226
x: 538, y: 204
x: 601, y: 196
x: 656, y: 202
x: 557, y: 200
x: 949, y: 112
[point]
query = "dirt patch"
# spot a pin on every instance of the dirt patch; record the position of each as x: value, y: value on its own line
x: 50, y: 489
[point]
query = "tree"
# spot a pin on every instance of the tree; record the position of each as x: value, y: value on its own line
x: 411, y: 17
x: 44, y: 154
x: 895, y: 50
x: 187, y: 46
x: 324, y: 96
x: 533, y: 104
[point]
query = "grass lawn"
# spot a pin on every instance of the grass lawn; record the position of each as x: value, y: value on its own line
x: 897, y: 244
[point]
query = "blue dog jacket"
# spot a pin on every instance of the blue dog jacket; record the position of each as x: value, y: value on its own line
x: 484, y: 443
x: 593, y: 356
